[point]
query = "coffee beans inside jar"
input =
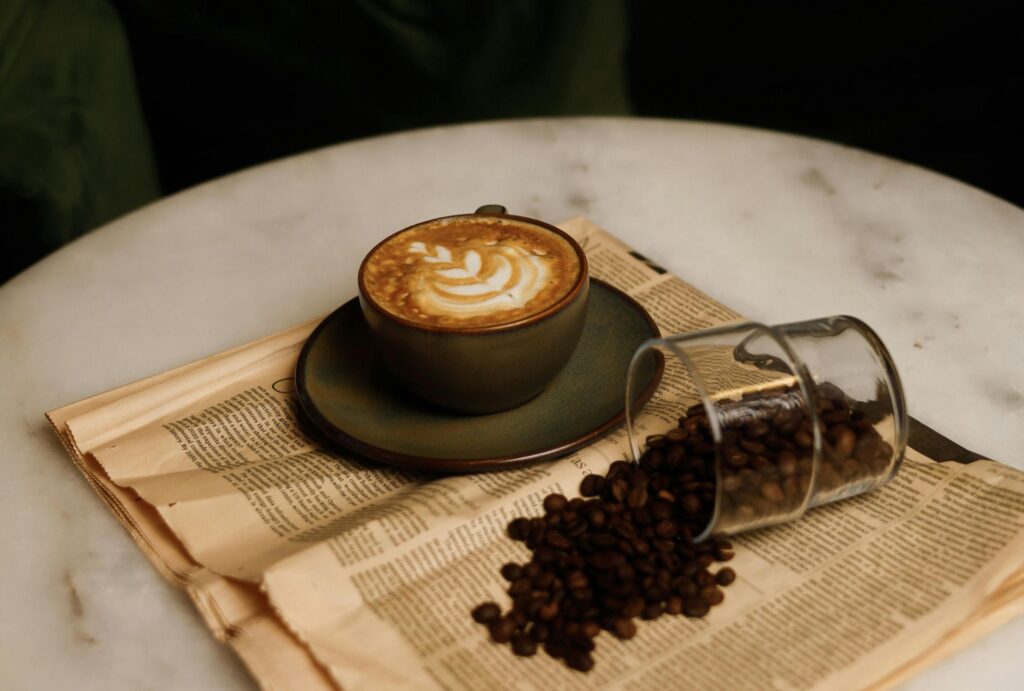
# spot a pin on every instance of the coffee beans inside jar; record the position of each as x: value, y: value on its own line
x: 624, y: 550
x: 767, y: 447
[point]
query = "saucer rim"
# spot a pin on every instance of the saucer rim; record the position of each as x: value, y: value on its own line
x: 461, y: 465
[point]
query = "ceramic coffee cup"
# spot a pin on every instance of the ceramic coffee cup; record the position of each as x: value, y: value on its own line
x: 475, y: 312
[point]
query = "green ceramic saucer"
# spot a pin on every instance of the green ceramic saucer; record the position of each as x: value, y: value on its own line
x: 351, y: 399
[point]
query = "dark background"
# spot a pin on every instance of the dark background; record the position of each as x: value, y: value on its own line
x: 934, y: 83
x: 224, y: 85
x: 938, y: 84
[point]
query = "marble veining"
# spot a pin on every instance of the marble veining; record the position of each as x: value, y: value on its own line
x: 778, y: 227
x: 579, y: 201
x: 77, y: 612
x: 813, y: 178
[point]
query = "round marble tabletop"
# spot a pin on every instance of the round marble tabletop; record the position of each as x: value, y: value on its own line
x: 778, y: 227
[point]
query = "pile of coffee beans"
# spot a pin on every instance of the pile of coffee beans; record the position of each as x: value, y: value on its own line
x: 767, y: 450
x: 624, y: 549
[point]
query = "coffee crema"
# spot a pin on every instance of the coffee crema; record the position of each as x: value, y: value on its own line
x: 470, y: 272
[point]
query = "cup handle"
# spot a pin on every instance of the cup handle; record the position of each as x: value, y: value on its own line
x: 492, y: 210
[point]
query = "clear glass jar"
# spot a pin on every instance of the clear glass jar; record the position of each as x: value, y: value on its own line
x: 765, y: 422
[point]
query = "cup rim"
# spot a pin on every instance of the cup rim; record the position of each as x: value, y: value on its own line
x: 554, y: 308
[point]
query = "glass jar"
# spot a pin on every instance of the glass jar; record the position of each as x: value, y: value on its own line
x: 762, y: 423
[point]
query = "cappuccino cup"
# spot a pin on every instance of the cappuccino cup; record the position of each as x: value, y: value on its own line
x: 476, y: 312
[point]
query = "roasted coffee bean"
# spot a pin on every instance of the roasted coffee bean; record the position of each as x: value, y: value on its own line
x: 753, y: 447
x: 759, y: 463
x: 787, y: 463
x: 844, y: 441
x: 547, y: 611
x: 580, y: 641
x: 606, y: 561
x: 511, y: 572
x: 637, y: 497
x: 576, y: 580
x: 723, y: 554
x: 539, y: 632
x: 642, y: 518
x: 756, y: 429
x: 696, y: 607
x: 520, y: 618
x: 617, y: 469
x: 674, y: 605
x: 553, y: 503
x: 520, y: 586
x: 736, y: 458
x: 545, y: 555
x: 612, y: 603
x: 687, y: 588
x: 633, y: 607
x: 661, y: 508
x: 602, y: 540
x: 725, y: 576
x: 653, y: 611
x: 665, y: 529
x: 662, y: 545
x: 543, y: 580
x: 519, y: 528
x: 624, y: 628
x: 676, y: 435
x: 690, y: 504
x: 582, y: 594
x: 592, y: 485
x: 619, y: 488
x: 556, y: 646
x: 557, y: 540
x: 613, y: 508
x: 772, y: 491
x: 502, y: 629
x: 576, y: 530
x: 580, y: 660
x: 653, y: 460
x: 523, y: 644
x: 486, y: 613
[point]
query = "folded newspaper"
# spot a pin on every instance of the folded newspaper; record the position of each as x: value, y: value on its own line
x: 323, y: 571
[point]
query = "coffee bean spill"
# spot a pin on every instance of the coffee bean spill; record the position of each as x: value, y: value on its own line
x: 624, y: 549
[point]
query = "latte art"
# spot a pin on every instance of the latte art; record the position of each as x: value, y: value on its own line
x: 476, y: 272
x: 493, y: 277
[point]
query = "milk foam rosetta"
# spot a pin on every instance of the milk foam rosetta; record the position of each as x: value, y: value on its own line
x: 471, y: 272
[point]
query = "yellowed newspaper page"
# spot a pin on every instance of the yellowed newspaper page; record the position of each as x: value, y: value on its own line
x: 235, y: 612
x: 839, y: 600
x: 675, y: 306
x: 375, y: 569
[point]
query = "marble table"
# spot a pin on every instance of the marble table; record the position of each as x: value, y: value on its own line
x: 779, y: 227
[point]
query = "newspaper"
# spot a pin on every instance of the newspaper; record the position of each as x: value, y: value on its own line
x: 322, y: 571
